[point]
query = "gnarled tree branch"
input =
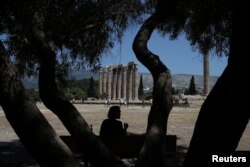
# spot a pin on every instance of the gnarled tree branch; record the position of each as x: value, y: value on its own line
x: 35, y: 133
x: 224, y: 115
x: 90, y: 145
x: 152, y: 153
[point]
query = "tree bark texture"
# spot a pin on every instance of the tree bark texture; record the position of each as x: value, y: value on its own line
x: 90, y: 145
x: 33, y: 130
x: 224, y: 115
x: 152, y: 152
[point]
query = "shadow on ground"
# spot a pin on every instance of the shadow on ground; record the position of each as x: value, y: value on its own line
x: 13, y: 154
x: 176, y: 159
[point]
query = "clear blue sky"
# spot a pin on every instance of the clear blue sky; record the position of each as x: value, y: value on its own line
x: 176, y: 55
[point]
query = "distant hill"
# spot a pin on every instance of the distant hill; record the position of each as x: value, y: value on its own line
x: 32, y: 83
x: 183, y: 80
x: 180, y: 81
x: 83, y: 74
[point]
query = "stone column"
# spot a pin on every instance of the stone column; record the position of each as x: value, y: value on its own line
x: 119, y: 81
x: 129, y: 82
x: 135, y: 87
x: 100, y: 83
x: 114, y: 83
x: 133, y: 81
x: 109, y: 81
x: 104, y: 88
x: 124, y: 82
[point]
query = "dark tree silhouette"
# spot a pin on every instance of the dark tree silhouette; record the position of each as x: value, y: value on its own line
x: 34, y: 131
x: 91, y: 89
x: 192, y: 87
x: 223, y: 117
x: 48, y: 35
x: 152, y: 152
x: 140, y: 89
x: 208, y: 25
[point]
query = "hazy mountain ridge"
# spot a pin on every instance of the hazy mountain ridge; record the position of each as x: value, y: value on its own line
x: 179, y: 81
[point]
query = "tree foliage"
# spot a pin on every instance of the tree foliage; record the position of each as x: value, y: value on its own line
x: 34, y: 94
x: 214, y: 19
x: 75, y: 93
x: 79, y: 31
x: 78, y: 89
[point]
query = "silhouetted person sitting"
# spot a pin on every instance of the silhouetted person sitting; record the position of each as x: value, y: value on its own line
x: 111, y: 126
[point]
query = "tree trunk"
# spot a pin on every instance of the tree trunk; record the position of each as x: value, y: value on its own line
x: 35, y: 133
x: 225, y: 114
x: 152, y: 152
x: 90, y: 145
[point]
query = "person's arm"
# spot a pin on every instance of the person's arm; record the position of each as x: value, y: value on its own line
x: 125, y: 125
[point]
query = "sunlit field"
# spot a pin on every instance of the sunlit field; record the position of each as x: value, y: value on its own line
x: 181, y: 121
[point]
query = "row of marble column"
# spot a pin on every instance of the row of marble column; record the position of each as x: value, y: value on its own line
x: 118, y: 82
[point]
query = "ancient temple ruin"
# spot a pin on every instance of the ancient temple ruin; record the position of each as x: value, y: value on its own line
x: 118, y: 82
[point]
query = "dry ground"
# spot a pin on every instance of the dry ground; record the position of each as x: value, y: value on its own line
x: 181, y: 123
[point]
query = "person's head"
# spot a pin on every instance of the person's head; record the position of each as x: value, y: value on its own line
x: 114, y: 112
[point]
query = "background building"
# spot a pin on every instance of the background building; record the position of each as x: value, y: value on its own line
x: 119, y: 82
